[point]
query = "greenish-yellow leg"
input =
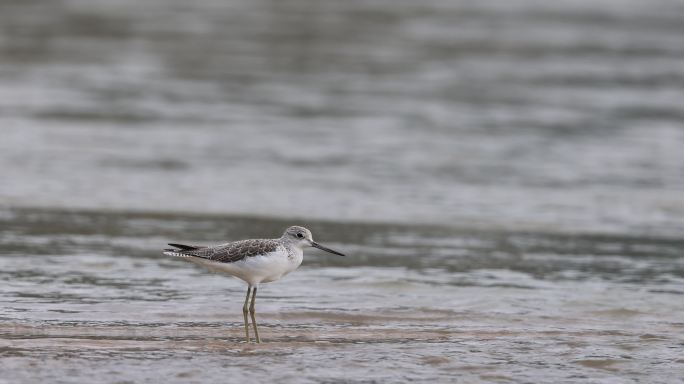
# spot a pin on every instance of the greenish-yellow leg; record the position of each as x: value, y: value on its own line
x: 252, y: 312
x: 244, y: 312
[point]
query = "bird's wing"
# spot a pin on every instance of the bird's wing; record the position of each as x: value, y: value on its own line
x: 232, y: 252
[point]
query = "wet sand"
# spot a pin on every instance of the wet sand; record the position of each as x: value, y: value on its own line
x: 346, y: 348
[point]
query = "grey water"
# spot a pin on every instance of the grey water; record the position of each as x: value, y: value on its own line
x: 505, y: 176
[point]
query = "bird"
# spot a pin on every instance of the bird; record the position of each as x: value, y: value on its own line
x: 255, y: 261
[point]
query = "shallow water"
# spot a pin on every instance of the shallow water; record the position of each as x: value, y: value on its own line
x: 87, y: 295
x: 505, y: 176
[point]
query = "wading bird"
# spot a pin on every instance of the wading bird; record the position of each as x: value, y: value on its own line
x: 254, y: 261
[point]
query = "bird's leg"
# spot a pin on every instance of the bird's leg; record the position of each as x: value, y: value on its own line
x: 252, y: 312
x: 244, y: 312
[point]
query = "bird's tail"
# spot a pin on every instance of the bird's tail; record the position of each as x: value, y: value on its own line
x: 180, y: 249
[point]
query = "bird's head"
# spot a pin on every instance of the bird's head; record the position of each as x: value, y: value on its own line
x: 301, y: 238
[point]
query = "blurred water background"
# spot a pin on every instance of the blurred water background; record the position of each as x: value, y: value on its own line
x: 506, y: 176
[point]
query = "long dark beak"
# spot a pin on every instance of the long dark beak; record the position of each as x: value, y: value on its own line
x: 316, y: 245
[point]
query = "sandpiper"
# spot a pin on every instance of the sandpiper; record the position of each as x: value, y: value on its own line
x: 254, y: 261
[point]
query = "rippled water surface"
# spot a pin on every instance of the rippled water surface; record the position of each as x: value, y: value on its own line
x: 506, y: 178
x: 87, y: 295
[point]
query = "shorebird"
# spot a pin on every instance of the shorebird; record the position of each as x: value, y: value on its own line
x: 254, y: 261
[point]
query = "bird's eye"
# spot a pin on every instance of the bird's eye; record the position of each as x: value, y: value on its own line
x: 300, y: 235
